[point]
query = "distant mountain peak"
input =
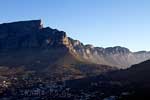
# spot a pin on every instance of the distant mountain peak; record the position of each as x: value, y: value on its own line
x: 117, y: 49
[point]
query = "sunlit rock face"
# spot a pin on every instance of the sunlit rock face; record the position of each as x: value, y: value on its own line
x: 113, y: 56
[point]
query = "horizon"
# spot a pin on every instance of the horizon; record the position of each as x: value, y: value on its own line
x: 100, y: 23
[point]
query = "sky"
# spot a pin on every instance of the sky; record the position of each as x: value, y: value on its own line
x: 103, y: 23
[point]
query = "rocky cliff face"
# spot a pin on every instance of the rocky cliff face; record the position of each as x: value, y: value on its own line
x: 113, y: 56
x: 32, y: 35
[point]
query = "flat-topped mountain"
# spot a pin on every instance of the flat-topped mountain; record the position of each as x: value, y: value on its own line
x: 32, y: 46
x: 30, y: 34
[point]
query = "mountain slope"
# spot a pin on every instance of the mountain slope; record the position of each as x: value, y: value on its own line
x: 113, y: 56
x: 32, y: 47
x: 29, y: 45
x: 139, y: 73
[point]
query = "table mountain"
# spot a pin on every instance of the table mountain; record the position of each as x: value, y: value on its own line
x: 34, y: 47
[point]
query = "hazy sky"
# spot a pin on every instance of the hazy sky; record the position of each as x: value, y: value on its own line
x: 98, y: 22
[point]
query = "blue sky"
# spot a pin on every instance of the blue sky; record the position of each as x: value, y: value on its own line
x: 99, y: 22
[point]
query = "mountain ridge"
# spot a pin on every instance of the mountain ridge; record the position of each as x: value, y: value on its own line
x: 31, y: 34
x: 114, y: 56
x: 31, y: 47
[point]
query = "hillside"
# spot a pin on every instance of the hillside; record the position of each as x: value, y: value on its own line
x: 32, y: 34
x: 32, y: 55
x: 139, y: 73
x: 113, y: 56
x: 30, y: 46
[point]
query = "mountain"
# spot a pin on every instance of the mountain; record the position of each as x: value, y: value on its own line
x: 31, y: 54
x: 32, y: 47
x: 134, y: 81
x: 29, y: 45
x: 113, y: 56
x: 126, y: 84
